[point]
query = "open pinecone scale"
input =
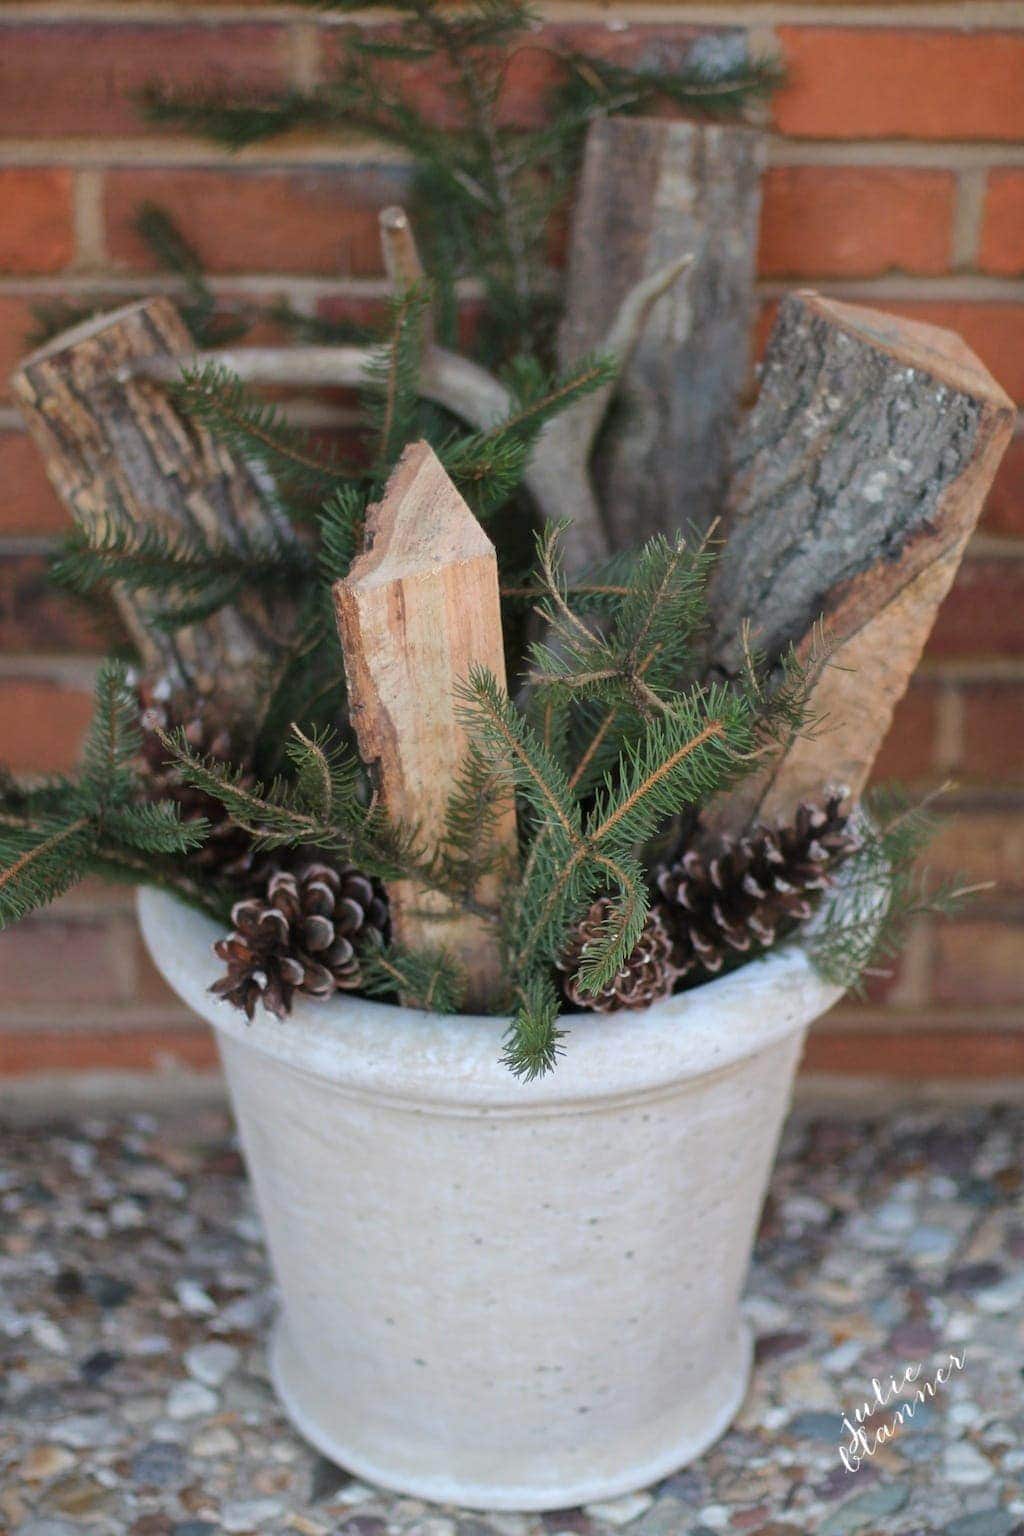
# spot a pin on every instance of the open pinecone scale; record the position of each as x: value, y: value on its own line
x: 304, y: 934
x: 736, y: 895
x: 727, y: 897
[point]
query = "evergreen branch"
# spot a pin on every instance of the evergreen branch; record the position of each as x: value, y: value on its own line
x: 881, y: 892
x: 213, y: 396
x: 44, y: 863
x: 150, y: 558
x: 392, y: 398
x: 533, y: 1040
x: 431, y: 980
x: 175, y: 255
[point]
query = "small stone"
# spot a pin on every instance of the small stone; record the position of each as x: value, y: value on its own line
x: 307, y: 1527
x: 193, y: 1299
x: 194, y: 1528
x: 212, y: 1363
x: 354, y: 1493
x: 45, y: 1527
x: 1007, y: 1296
x: 126, y: 1214
x: 154, y: 1524
x: 812, y: 1425
x: 936, y: 1244
x: 48, y: 1336
x: 79, y: 1496
x: 86, y: 1431
x: 866, y: 1509
x: 108, y: 1291
x: 215, y: 1441
x: 159, y: 1464
x: 189, y: 1399
x: 96, y: 1366
x: 966, y: 1466
x: 843, y: 1358
x: 666, y: 1517
x: 326, y: 1479
x: 984, y: 1522
x: 249, y: 1514
x: 45, y: 1461
x: 765, y: 1315
x: 436, y: 1525
x: 620, y: 1511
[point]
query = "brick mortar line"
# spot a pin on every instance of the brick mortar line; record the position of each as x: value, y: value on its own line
x: 951, y: 287
x: 843, y: 1021
x: 71, y: 671
x: 968, y: 216
x: 79, y: 671
x: 135, y: 1020
x: 984, y: 15
x: 145, y: 153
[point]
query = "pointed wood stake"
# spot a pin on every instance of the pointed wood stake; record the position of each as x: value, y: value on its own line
x: 415, y: 613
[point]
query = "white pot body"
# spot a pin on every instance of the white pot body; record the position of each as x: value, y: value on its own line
x: 507, y: 1295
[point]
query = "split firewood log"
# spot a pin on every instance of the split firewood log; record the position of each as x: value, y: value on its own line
x: 117, y: 449
x: 856, y: 483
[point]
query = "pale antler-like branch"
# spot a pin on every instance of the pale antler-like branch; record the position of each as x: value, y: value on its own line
x: 557, y: 477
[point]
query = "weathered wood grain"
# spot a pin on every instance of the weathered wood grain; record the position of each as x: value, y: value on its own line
x: 417, y: 610
x: 115, y: 446
x: 651, y: 191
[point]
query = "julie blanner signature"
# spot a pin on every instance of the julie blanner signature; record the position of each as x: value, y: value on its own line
x: 864, y: 1441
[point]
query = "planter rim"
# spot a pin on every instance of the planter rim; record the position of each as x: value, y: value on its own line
x: 384, y: 1051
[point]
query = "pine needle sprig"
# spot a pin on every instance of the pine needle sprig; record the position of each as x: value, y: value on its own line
x: 215, y: 397
x: 53, y: 835
x: 722, y: 88
x: 882, y: 892
x: 391, y: 397
x: 533, y: 1041
x: 208, y: 324
x: 203, y: 574
x: 431, y: 980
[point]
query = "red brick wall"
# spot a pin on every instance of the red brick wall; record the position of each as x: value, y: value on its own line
x: 896, y: 178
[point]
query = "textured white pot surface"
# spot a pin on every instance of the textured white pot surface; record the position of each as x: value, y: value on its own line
x: 507, y: 1295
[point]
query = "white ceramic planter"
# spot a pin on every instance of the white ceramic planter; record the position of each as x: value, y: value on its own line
x: 501, y: 1295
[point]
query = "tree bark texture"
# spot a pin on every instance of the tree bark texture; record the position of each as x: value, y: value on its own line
x: 114, y: 445
x: 650, y: 191
x: 857, y: 480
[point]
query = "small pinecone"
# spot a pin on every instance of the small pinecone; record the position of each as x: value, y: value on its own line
x: 304, y: 934
x: 645, y: 975
x: 741, y: 894
x: 227, y: 851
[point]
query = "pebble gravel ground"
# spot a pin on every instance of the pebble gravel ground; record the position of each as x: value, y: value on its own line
x: 134, y: 1298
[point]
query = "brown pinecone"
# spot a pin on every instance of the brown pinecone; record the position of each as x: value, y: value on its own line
x: 304, y: 934
x: 227, y: 851
x: 645, y: 975
x: 738, y: 895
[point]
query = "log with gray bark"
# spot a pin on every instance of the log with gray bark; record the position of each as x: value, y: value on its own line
x: 651, y: 191
x: 115, y: 447
x: 857, y: 480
